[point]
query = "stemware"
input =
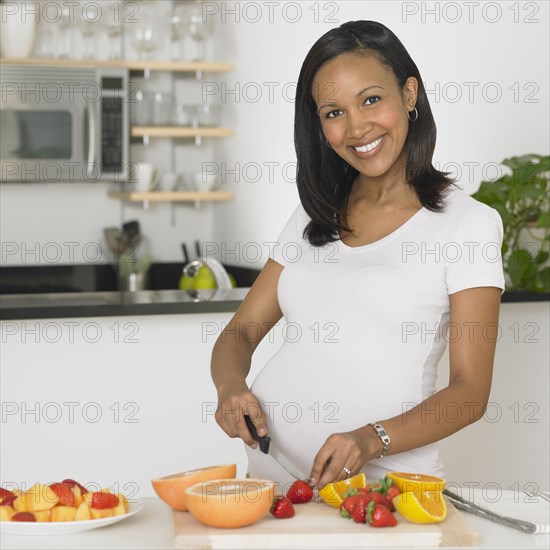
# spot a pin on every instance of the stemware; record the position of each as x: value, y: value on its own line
x: 146, y: 38
x: 65, y: 23
x: 44, y: 39
x: 197, y: 26
x: 114, y: 29
x: 89, y: 26
x: 176, y: 35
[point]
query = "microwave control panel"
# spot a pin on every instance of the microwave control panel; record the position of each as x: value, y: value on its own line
x: 112, y: 125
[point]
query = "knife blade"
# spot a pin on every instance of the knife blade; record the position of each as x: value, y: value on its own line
x: 268, y: 447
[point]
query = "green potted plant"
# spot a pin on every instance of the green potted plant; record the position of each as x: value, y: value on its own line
x: 521, y: 197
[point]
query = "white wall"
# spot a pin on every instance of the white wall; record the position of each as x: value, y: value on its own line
x: 155, y: 373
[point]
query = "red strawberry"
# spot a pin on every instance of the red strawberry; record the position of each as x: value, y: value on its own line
x: 7, y: 500
x: 72, y: 483
x: 23, y: 516
x: 391, y: 493
x: 64, y: 493
x: 380, y: 516
x: 282, y: 508
x: 349, y: 504
x: 5, y: 493
x: 299, y: 492
x: 376, y: 497
x: 104, y: 500
x: 359, y: 511
x: 6, y: 497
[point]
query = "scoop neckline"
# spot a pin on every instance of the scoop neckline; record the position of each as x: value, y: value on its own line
x: 403, y: 227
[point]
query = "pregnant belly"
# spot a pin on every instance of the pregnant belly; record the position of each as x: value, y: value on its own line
x: 311, y: 393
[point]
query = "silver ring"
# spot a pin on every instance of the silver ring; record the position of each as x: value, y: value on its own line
x: 347, y: 471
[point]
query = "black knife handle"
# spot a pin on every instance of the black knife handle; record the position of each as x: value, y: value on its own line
x: 263, y: 441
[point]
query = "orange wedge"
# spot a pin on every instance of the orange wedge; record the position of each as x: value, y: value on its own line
x: 171, y: 489
x: 416, y: 483
x: 332, y: 493
x: 426, y: 507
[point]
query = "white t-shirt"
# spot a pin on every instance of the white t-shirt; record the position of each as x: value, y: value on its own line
x: 365, y: 327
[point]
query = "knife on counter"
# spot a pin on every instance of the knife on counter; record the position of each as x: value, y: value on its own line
x: 268, y: 447
x: 472, y: 508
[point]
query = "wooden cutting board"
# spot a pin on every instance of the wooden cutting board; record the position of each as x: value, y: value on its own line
x: 317, y: 525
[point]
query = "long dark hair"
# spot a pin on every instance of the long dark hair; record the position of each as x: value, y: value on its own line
x: 324, y: 179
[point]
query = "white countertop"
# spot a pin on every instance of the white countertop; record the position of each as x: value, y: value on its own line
x: 152, y: 529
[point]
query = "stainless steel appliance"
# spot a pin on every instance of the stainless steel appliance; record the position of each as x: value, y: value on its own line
x: 62, y: 124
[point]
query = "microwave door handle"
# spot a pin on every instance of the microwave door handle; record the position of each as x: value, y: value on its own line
x: 92, y: 137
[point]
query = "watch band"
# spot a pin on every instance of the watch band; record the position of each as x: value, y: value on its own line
x: 383, y: 436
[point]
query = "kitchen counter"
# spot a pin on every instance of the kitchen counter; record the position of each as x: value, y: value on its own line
x: 152, y: 528
x: 107, y: 304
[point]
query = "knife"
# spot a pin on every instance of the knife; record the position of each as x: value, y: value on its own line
x: 268, y: 447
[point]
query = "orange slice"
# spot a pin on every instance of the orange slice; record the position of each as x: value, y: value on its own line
x: 230, y: 503
x: 416, y: 483
x: 426, y: 507
x: 171, y: 489
x: 333, y: 493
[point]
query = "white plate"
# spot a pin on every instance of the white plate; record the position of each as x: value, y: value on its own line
x: 62, y: 527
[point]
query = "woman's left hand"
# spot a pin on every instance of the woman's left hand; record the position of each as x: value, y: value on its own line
x: 342, y: 456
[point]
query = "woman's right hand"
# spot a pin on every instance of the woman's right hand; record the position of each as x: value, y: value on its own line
x: 234, y: 402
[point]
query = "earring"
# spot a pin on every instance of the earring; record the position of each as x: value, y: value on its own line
x: 328, y: 144
x: 409, y: 115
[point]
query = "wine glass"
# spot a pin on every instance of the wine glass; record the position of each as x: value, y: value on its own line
x: 197, y: 26
x: 89, y: 23
x: 146, y: 38
x: 44, y: 40
x: 176, y: 34
x: 65, y: 26
x: 114, y: 28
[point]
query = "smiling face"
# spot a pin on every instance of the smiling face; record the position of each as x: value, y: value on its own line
x: 363, y: 113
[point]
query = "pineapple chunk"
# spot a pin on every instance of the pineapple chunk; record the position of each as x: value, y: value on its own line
x: 122, y: 507
x: 43, y: 516
x: 6, y: 513
x: 101, y: 514
x: 20, y: 503
x: 40, y: 497
x: 63, y: 513
x: 83, y: 512
x: 77, y: 496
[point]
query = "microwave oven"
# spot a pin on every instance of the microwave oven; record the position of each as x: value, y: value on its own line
x: 60, y: 124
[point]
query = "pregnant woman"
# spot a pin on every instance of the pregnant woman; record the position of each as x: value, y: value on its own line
x: 384, y: 261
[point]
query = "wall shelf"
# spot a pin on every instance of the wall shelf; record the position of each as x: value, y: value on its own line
x: 180, y: 132
x: 171, y: 196
x: 174, y: 66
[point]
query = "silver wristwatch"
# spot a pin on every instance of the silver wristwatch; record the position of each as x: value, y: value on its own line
x: 384, y: 438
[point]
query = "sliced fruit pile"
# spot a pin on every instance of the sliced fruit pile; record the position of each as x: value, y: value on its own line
x: 417, y: 498
x: 65, y: 501
x: 370, y: 504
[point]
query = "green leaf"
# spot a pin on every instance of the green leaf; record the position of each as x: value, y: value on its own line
x: 544, y: 220
x: 518, y: 265
x: 528, y: 191
x: 542, y: 280
x: 541, y: 257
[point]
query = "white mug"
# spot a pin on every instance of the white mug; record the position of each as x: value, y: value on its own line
x: 145, y: 177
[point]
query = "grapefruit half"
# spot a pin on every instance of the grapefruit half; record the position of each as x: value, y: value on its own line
x: 171, y: 489
x: 230, y: 503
